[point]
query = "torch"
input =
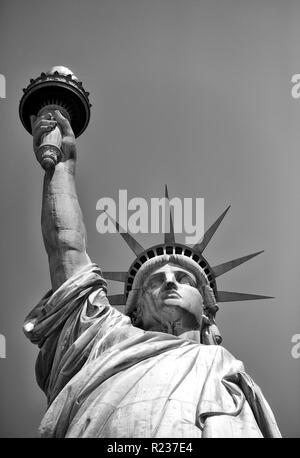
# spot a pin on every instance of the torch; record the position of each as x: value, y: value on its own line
x: 58, y: 89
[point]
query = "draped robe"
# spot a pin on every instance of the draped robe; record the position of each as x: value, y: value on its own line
x: 103, y: 377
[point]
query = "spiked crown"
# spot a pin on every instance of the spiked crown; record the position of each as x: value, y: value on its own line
x: 171, y: 247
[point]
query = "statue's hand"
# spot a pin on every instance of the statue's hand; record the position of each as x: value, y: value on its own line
x: 47, y: 122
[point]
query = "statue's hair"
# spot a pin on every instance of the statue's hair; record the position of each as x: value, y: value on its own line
x: 209, y: 331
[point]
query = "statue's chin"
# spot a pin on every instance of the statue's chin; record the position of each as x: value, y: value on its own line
x: 172, y: 311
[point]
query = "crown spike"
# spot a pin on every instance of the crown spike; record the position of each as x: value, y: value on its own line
x: 228, y: 296
x: 116, y: 276
x: 169, y: 238
x: 131, y: 242
x: 226, y: 266
x: 200, y: 247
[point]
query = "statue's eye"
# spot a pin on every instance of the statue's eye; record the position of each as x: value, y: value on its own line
x: 186, y: 280
x: 154, y: 282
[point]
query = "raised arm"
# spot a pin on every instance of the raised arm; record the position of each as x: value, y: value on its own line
x: 62, y: 222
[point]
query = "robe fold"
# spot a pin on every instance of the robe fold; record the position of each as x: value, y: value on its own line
x: 104, y: 377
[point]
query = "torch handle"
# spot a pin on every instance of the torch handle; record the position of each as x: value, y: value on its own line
x: 49, y: 150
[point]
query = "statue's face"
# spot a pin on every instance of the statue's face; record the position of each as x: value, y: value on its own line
x: 170, y: 301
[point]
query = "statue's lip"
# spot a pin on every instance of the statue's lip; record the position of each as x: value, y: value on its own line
x: 171, y: 294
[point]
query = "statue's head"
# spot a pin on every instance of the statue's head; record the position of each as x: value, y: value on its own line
x: 172, y: 288
x: 171, y: 294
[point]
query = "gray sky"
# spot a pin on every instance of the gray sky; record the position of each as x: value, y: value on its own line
x: 195, y: 94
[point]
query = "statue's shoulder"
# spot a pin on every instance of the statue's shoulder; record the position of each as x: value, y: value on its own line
x: 220, y: 355
x: 233, y: 364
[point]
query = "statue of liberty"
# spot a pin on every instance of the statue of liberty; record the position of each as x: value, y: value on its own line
x: 156, y: 370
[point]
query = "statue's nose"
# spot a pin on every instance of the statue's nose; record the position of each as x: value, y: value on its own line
x: 170, y: 282
x: 171, y: 285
